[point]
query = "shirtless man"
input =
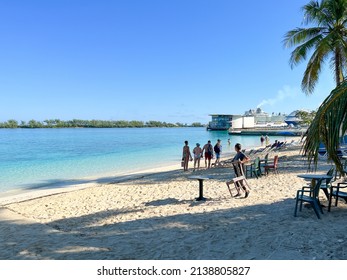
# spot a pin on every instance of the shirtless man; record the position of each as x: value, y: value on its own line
x: 208, y: 153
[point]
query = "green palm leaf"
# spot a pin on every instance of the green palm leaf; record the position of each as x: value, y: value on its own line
x: 301, y: 35
x: 329, y: 125
x: 314, y: 66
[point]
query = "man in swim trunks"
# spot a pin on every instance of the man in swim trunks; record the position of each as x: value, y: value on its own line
x: 208, y: 153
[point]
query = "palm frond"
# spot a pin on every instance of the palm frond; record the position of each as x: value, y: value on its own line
x: 328, y: 127
x: 314, y: 66
x: 301, y: 35
x: 336, y: 9
x: 300, y: 53
x: 315, y: 12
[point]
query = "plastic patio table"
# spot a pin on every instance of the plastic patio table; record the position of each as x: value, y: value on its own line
x: 315, y: 178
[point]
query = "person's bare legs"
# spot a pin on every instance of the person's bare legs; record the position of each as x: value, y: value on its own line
x: 198, y: 163
x: 195, y: 160
x: 186, y: 161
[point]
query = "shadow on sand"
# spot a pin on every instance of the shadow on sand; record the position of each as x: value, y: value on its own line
x: 264, y: 231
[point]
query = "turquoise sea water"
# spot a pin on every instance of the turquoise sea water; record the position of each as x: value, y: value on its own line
x: 31, y: 158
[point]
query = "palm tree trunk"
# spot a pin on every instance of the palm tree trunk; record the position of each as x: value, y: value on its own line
x: 338, y: 67
x: 339, y: 78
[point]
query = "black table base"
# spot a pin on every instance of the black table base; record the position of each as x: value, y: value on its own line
x: 201, y: 191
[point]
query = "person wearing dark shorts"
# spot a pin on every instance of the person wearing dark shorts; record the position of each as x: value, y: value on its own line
x: 208, y: 149
x: 208, y: 156
x: 217, y: 150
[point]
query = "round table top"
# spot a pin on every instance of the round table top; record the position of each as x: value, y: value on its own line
x: 315, y: 176
x: 198, y: 177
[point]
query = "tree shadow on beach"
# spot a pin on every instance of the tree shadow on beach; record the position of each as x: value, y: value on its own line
x: 262, y: 231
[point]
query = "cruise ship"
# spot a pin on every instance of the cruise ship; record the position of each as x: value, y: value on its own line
x: 292, y: 119
x: 258, y: 122
x: 250, y: 119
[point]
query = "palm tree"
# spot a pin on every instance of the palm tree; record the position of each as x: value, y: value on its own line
x: 326, y: 38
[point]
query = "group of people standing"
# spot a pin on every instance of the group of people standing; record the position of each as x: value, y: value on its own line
x: 265, y: 139
x: 208, y: 151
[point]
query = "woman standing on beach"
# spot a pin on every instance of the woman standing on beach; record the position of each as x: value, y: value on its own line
x: 197, y: 151
x: 186, y: 156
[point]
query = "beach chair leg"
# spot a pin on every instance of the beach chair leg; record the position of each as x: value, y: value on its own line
x: 330, y: 200
x: 229, y: 189
x: 300, y: 205
x: 296, y: 207
x: 248, y: 172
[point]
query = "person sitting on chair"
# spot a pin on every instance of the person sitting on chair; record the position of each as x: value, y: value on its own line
x: 274, y: 145
x: 240, y: 157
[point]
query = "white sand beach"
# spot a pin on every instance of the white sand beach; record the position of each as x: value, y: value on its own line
x: 155, y: 216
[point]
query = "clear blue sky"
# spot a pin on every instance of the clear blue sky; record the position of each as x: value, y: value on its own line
x: 172, y: 60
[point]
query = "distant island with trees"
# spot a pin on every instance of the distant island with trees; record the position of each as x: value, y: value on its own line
x: 75, y: 123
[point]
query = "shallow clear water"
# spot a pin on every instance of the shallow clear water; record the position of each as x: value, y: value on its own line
x: 40, y: 157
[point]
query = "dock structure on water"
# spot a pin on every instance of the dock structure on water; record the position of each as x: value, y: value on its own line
x: 220, y: 122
